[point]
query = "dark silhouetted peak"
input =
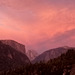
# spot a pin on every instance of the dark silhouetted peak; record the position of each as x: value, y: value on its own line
x: 66, y: 47
x: 14, y: 45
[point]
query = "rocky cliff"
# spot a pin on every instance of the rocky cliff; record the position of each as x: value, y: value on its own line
x: 51, y: 54
x: 32, y: 54
x: 10, y: 57
x: 14, y: 45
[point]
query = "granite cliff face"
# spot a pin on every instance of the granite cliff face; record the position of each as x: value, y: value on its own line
x: 10, y: 57
x: 15, y: 45
x: 32, y: 54
x: 51, y: 54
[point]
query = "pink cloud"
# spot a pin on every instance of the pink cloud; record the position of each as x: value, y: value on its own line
x: 33, y: 22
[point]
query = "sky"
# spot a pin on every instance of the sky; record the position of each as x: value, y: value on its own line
x: 38, y: 24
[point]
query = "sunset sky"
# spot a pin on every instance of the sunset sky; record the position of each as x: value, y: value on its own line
x: 38, y: 24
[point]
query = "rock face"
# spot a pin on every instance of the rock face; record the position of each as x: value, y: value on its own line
x: 14, y: 45
x: 32, y: 54
x: 51, y: 54
x: 10, y: 57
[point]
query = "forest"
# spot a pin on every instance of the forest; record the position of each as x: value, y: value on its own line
x: 54, y: 66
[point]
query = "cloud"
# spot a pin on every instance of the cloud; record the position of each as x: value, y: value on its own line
x: 35, y: 22
x: 60, y: 39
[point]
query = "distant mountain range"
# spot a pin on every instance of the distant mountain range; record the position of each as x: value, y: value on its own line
x: 11, y: 55
x: 51, y: 54
x: 62, y: 65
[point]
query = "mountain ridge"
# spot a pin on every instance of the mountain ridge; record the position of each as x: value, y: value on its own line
x: 11, y: 58
x: 51, y: 54
x: 15, y: 45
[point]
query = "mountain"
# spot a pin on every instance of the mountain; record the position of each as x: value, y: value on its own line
x: 11, y: 57
x: 32, y: 54
x: 14, y: 45
x: 51, y: 54
x: 63, y: 65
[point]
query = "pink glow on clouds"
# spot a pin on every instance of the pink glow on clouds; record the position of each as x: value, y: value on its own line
x: 40, y: 25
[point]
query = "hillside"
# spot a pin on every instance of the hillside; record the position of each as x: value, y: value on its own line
x: 11, y: 58
x: 62, y: 65
x: 51, y: 54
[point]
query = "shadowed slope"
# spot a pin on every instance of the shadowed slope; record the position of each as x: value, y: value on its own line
x: 11, y: 58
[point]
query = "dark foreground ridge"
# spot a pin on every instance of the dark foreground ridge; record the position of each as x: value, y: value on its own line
x: 62, y: 65
x: 11, y: 58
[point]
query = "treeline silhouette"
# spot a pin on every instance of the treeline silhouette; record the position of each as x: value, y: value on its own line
x: 52, y: 67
